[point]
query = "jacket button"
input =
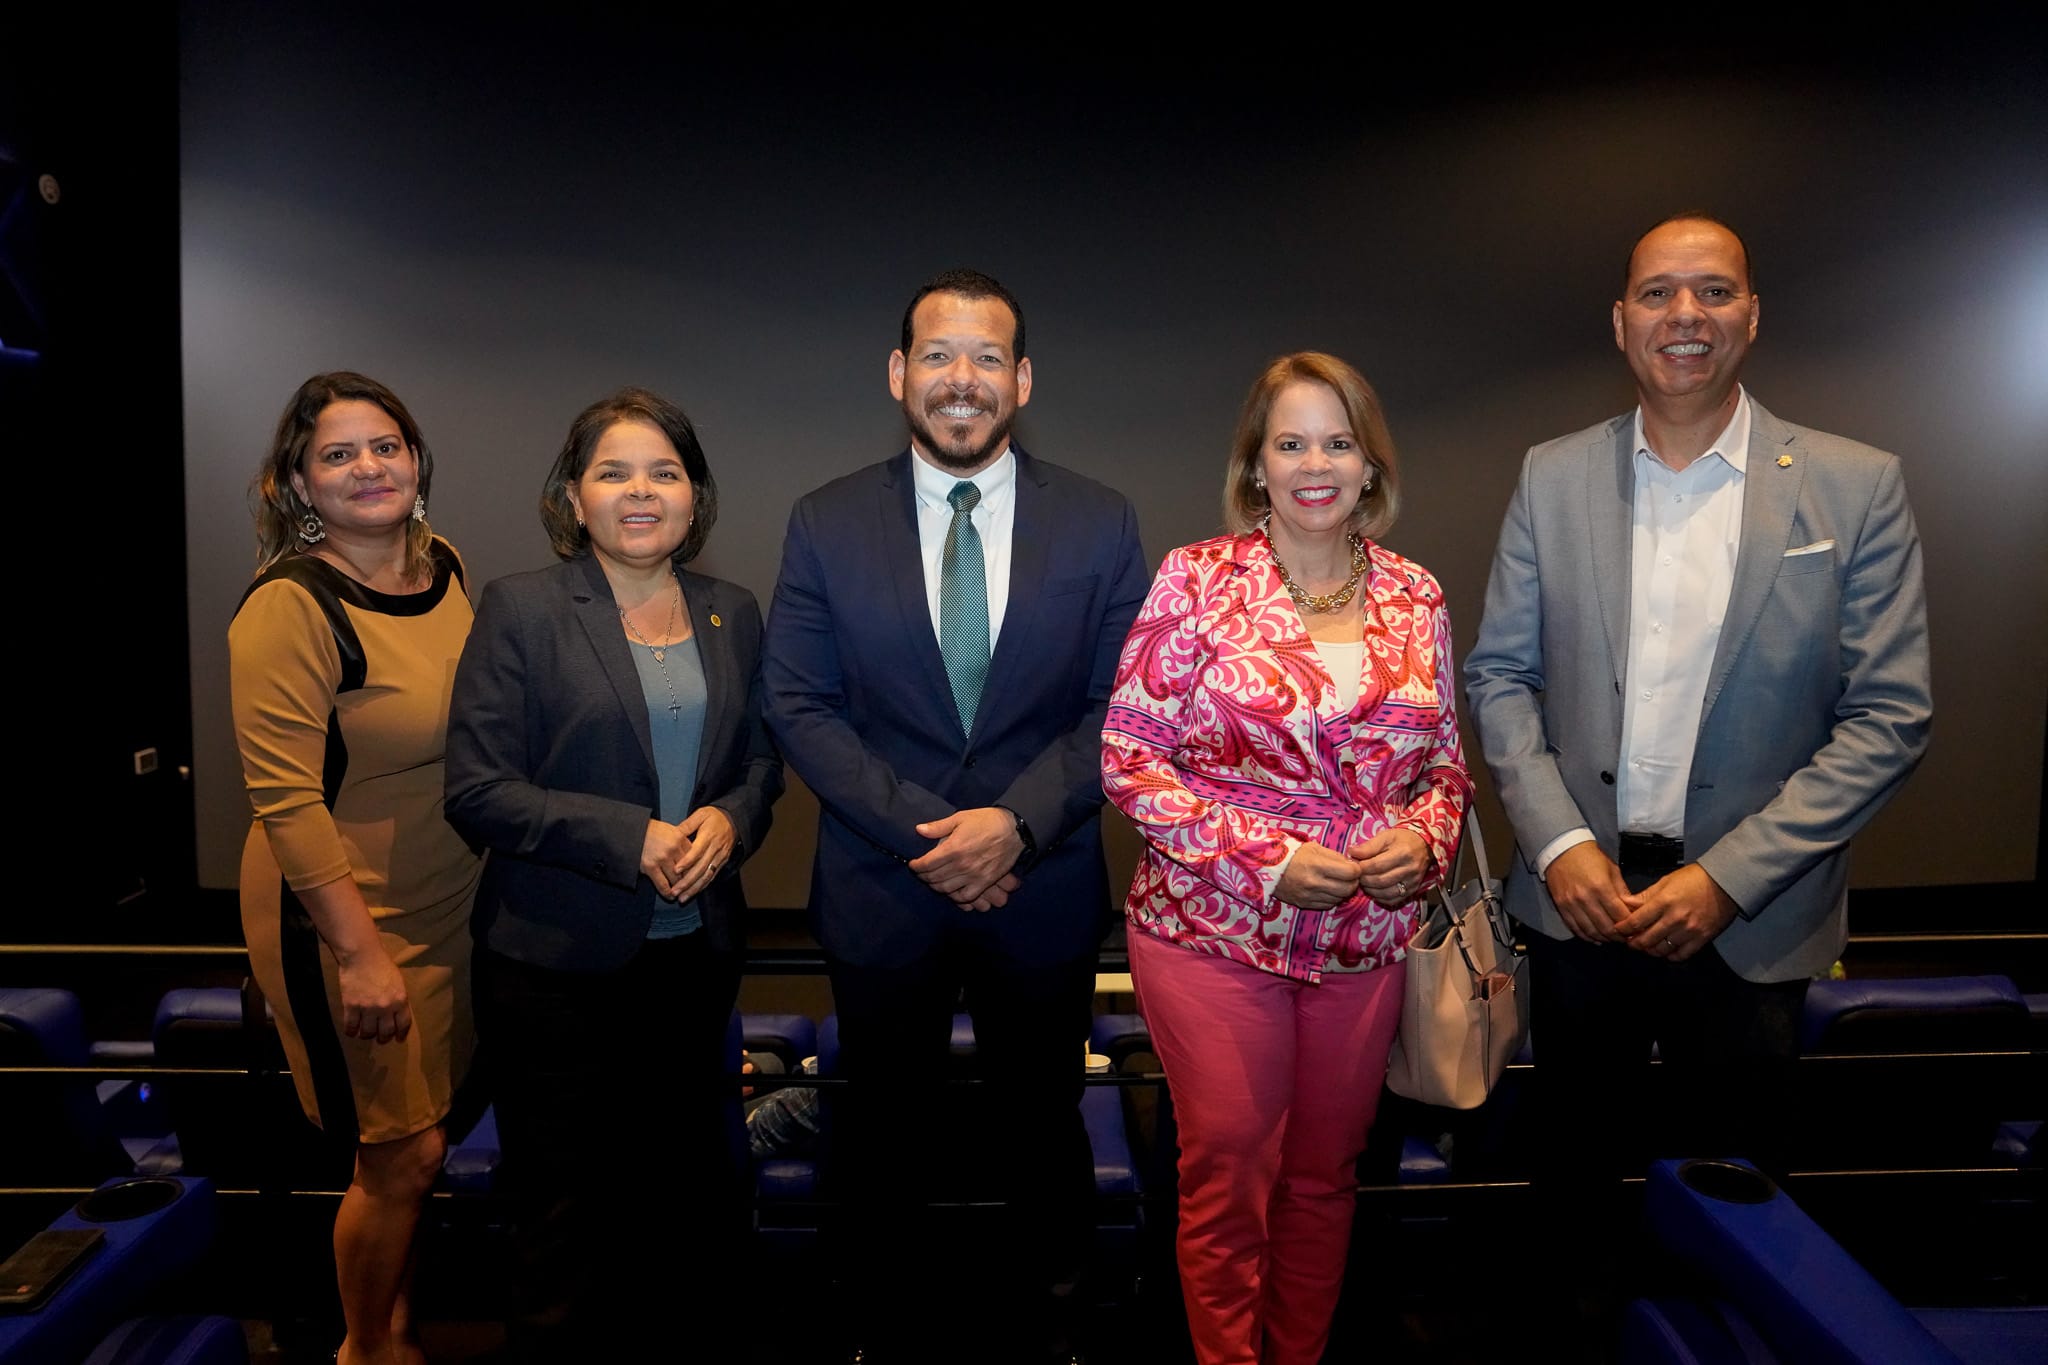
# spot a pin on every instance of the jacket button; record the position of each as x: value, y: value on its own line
x: 967, y: 762
x: 1608, y: 778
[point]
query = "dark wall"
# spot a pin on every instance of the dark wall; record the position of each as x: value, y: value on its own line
x: 90, y: 427
x: 505, y: 223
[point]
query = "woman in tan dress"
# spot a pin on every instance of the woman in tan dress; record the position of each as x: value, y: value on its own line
x: 355, y: 892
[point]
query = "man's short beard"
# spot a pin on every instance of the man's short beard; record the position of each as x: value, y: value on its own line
x: 946, y: 456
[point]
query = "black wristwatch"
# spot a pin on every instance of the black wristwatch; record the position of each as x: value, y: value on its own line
x: 1030, y: 853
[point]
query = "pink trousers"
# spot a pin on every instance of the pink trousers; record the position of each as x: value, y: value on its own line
x: 1274, y: 1086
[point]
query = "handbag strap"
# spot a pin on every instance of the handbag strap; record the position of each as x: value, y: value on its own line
x: 1474, y: 842
x: 1489, y: 904
x: 1476, y: 837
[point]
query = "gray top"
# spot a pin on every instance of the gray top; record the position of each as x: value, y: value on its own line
x: 674, y: 688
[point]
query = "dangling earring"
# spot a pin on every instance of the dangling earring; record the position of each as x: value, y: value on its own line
x: 1367, y: 487
x: 312, y: 529
x: 419, y: 507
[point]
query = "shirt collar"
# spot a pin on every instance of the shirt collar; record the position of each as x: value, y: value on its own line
x: 1732, y: 445
x: 933, y: 485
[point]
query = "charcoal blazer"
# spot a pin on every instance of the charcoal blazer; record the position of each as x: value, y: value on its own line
x: 859, y: 701
x: 551, y: 763
x: 1818, y: 701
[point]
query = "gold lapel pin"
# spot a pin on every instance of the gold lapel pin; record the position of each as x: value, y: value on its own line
x: 1784, y: 462
x: 716, y: 622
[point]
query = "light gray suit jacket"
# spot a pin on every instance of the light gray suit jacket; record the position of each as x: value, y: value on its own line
x: 1817, y: 706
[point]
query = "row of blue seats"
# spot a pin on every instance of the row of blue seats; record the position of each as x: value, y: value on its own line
x: 123, y: 1125
x: 1743, y: 1324
x: 1768, y: 1287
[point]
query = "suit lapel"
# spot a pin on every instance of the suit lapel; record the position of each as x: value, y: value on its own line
x: 1770, y: 497
x: 714, y: 649
x: 903, y: 557
x: 1030, y: 537
x: 1610, y: 523
x: 598, y: 612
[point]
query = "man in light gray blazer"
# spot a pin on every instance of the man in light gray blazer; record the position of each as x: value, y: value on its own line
x: 1703, y: 667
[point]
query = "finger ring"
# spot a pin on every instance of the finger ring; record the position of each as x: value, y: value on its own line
x: 1669, y: 944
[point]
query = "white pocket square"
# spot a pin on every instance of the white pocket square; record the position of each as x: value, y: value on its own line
x: 1813, y: 549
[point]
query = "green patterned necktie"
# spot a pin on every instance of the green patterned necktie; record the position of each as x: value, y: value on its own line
x: 963, y: 605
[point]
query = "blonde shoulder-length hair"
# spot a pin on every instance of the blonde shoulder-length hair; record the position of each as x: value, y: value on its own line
x: 276, y: 505
x: 1245, y: 504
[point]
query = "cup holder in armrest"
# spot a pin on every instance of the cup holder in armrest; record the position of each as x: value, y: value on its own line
x: 129, y: 1199
x: 1728, y: 1182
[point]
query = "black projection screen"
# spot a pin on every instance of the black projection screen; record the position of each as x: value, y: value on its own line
x: 505, y: 223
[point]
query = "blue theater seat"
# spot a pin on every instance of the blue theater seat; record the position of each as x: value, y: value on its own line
x: 1914, y: 1014
x: 1938, y: 1113
x: 1990, y: 1336
x: 791, y: 1180
x: 236, y: 1129
x: 789, y: 1037
x: 173, y: 1341
x: 72, y: 1141
x: 1119, y: 1037
x: 152, y: 1230
x: 1781, y: 1289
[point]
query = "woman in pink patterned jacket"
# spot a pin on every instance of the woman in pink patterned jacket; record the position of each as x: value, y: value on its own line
x: 1283, y: 734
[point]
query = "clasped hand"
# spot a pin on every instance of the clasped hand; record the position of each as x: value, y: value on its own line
x: 972, y: 861
x: 1673, y: 918
x: 1389, y: 867
x: 682, y: 860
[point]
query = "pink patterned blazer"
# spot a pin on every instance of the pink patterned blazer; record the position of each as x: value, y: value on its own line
x: 1226, y: 746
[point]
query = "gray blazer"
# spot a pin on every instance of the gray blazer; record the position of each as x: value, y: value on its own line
x: 1817, y: 706
x: 551, y: 763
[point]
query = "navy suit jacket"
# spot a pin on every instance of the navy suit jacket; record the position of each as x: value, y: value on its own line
x: 551, y: 763
x: 858, y: 700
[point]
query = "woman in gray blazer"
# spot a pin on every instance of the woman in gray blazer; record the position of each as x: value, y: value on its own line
x: 606, y: 745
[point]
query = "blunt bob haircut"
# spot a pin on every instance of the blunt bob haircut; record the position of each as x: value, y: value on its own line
x: 277, y: 506
x: 968, y: 284
x: 1245, y: 505
x: 558, y: 514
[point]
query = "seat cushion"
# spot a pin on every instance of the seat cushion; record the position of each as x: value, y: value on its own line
x: 173, y: 1341
x: 1915, y: 1014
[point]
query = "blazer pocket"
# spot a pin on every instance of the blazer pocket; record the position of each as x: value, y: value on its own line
x: 1805, y: 562
x: 1061, y: 588
x: 1064, y: 587
x: 1818, y: 547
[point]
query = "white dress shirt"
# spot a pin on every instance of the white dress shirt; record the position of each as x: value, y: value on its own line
x: 993, y: 517
x: 1686, y: 530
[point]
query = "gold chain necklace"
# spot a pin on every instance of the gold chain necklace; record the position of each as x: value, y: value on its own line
x: 1329, y: 601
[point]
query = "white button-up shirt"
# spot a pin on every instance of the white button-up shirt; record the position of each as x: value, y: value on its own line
x: 994, y: 518
x: 1686, y: 530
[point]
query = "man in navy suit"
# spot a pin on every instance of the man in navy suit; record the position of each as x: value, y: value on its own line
x: 939, y: 658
